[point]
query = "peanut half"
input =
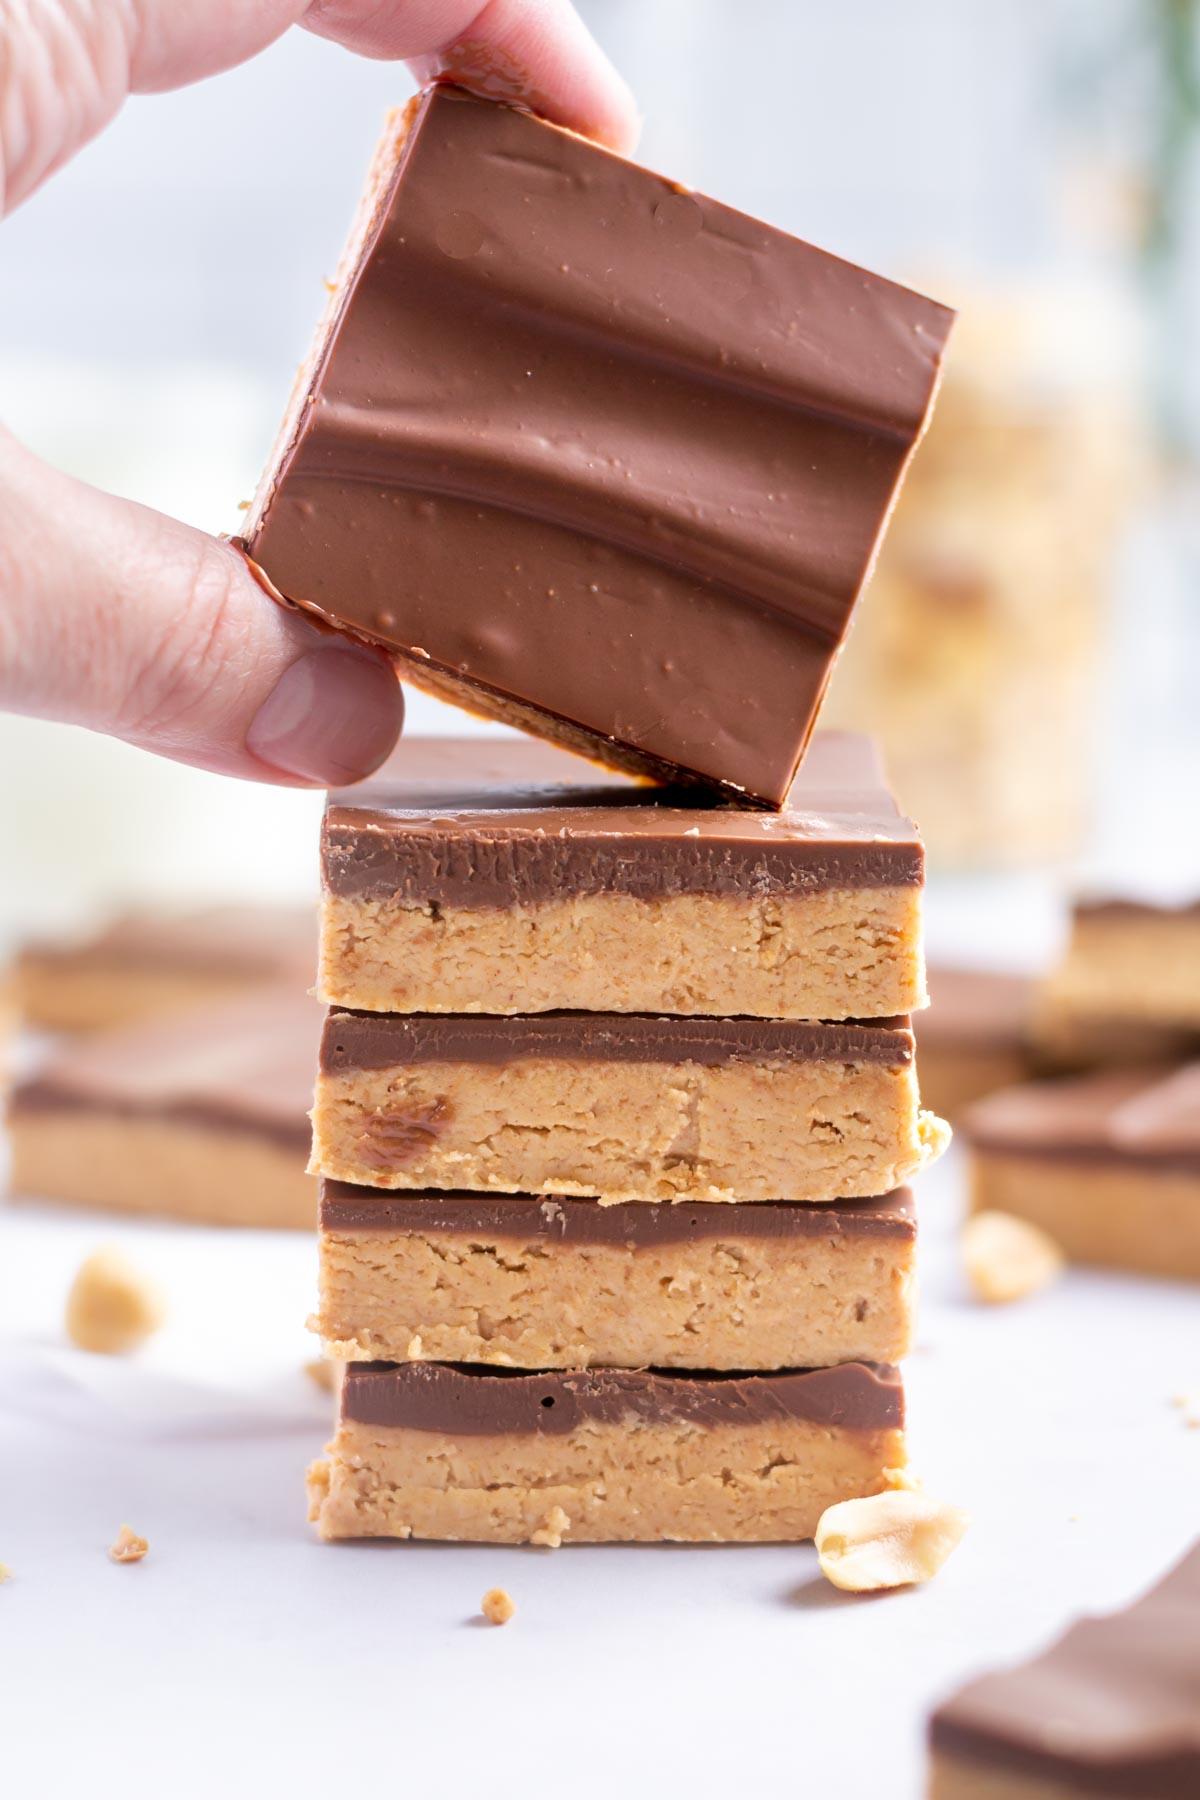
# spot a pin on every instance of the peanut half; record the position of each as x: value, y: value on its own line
x: 1006, y: 1258
x: 129, y: 1547
x: 890, y: 1540
x: 112, y: 1306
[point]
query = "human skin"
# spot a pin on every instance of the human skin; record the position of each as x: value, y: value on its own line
x: 114, y: 616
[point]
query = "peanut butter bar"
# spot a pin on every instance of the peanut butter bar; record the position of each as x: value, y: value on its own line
x: 439, y: 1450
x: 974, y: 1036
x: 149, y: 964
x: 621, y: 1106
x: 592, y: 454
x: 1112, y: 1709
x: 548, y: 1283
x: 502, y: 876
x: 1108, y: 1164
x: 198, y: 1117
x: 1128, y: 986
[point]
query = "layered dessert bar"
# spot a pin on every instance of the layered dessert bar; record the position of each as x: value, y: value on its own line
x: 199, y: 1117
x: 438, y: 1450
x: 1112, y: 1709
x: 1128, y: 986
x: 151, y: 963
x: 974, y: 1036
x: 549, y: 1283
x: 593, y: 454
x: 621, y: 1106
x: 1108, y: 1164
x: 503, y: 876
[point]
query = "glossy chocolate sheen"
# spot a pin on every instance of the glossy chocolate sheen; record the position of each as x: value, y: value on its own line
x: 477, y: 822
x: 471, y: 1402
x: 1112, y: 1708
x: 1139, y: 1118
x: 346, y: 1207
x: 589, y: 446
x: 361, y: 1040
x: 243, y: 1066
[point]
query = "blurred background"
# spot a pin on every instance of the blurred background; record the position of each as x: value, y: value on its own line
x: 1030, y: 648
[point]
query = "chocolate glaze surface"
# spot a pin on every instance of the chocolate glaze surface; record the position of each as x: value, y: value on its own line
x: 1112, y: 1708
x: 476, y: 823
x: 472, y: 1402
x: 583, y: 443
x: 1128, y: 1117
x: 361, y: 1040
x: 345, y: 1207
x: 245, y: 1065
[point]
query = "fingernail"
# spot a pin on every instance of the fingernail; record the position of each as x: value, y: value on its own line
x: 331, y: 718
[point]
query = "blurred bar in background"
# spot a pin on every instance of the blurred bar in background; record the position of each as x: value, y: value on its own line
x: 976, y: 653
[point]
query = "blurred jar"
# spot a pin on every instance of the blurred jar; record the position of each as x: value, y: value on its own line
x: 976, y: 650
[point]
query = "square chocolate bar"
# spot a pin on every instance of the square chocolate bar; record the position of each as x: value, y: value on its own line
x: 503, y: 876
x: 592, y: 454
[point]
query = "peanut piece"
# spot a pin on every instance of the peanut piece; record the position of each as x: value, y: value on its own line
x: 112, y: 1307
x: 889, y: 1540
x: 497, y: 1606
x: 1006, y: 1258
x: 902, y: 1478
x: 129, y: 1547
x: 933, y: 1135
x: 5, y: 1573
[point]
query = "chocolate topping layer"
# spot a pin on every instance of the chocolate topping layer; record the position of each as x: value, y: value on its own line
x: 978, y: 1008
x: 361, y: 1040
x: 478, y: 823
x: 1112, y: 1708
x: 345, y: 1207
x: 466, y: 1400
x: 241, y: 1066
x: 1149, y: 912
x: 1132, y: 1117
x: 594, y: 447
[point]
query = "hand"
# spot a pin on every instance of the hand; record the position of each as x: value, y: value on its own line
x: 111, y: 615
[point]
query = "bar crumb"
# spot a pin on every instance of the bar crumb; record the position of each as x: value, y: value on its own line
x: 549, y: 1533
x: 497, y: 1606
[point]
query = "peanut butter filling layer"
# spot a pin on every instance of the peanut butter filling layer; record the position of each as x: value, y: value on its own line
x: 740, y: 1131
x: 573, y: 1284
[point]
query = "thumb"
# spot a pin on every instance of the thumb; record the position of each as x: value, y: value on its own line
x: 116, y: 617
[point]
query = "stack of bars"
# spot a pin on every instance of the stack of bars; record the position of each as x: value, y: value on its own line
x: 615, y: 1114
x: 183, y: 1072
x: 616, y: 1102
x: 1078, y: 1093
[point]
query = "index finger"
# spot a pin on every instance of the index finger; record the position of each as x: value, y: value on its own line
x: 536, y: 52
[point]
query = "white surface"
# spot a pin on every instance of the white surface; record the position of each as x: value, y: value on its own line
x: 244, y: 1658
